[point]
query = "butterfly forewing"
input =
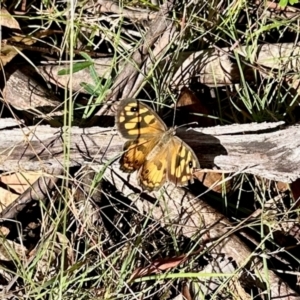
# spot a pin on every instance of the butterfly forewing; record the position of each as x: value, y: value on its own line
x: 183, y: 163
x: 135, y: 119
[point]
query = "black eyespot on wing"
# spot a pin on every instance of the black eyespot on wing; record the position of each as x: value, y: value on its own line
x: 146, y: 171
x: 134, y: 109
x: 190, y: 164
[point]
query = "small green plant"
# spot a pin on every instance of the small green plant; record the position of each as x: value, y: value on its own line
x: 284, y: 3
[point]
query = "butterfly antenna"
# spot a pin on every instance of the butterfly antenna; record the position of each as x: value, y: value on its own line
x: 187, y: 124
x: 174, y: 115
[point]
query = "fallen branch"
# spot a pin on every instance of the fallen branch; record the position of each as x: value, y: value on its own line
x: 183, y: 213
x: 273, y: 154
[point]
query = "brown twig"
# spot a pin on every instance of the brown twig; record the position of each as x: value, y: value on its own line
x: 113, y: 7
x: 126, y: 79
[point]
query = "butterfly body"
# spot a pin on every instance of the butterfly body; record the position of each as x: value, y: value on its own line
x: 162, y: 143
x: 152, y: 149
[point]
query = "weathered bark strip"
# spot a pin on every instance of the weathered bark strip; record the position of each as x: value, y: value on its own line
x: 273, y: 155
x: 161, y: 47
x: 217, y: 67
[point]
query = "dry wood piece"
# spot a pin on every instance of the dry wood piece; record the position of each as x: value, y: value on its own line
x: 273, y: 155
x: 216, y: 67
x: 7, y: 123
x: 180, y: 210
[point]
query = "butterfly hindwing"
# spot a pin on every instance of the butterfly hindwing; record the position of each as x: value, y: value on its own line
x: 183, y: 163
x: 135, y: 153
x: 174, y: 161
x: 152, y: 174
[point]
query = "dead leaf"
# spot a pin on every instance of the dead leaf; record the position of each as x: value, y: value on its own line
x: 216, y: 181
x: 8, y: 249
x: 13, y: 185
x: 52, y: 251
x: 7, y: 20
x: 295, y: 189
x: 185, y: 291
x: 4, y: 231
x: 163, y: 264
x: 192, y: 109
x: 9, y: 51
x: 157, y: 266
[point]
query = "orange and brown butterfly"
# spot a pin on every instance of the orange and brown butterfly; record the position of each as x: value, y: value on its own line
x: 151, y: 149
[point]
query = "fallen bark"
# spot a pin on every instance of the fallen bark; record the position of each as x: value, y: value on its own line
x: 259, y: 149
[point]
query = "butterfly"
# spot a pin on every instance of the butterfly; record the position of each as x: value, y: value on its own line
x: 152, y: 149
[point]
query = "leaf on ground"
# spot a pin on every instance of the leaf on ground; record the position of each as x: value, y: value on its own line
x: 10, y: 249
x: 192, y: 109
x: 295, y: 188
x: 158, y: 265
x: 13, y: 185
x: 52, y: 252
x: 215, y: 181
x: 9, y: 51
x: 7, y: 20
